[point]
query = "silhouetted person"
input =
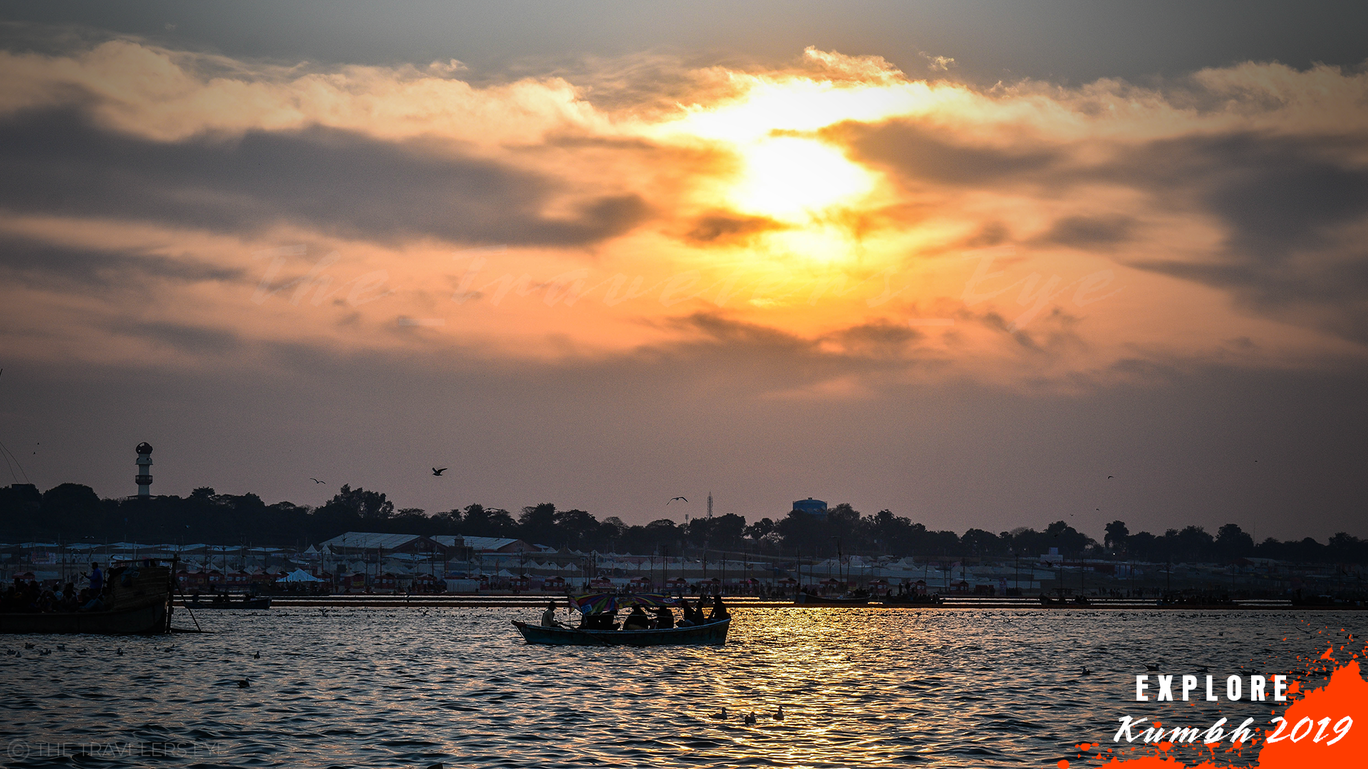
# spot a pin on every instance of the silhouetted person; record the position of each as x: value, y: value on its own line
x: 664, y: 618
x: 549, y: 616
x: 637, y: 620
x: 685, y: 613
x: 96, y: 578
x: 719, y: 611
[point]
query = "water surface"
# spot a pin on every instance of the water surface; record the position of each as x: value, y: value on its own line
x: 414, y: 687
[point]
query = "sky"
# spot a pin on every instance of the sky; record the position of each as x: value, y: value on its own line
x: 983, y: 265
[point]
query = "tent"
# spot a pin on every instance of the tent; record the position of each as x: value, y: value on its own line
x: 299, y: 575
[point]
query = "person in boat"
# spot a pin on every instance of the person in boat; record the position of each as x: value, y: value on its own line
x: 685, y: 613
x: 604, y: 620
x: 664, y: 618
x: 637, y: 620
x: 719, y: 611
x: 699, y: 617
x: 549, y: 616
x: 96, y: 579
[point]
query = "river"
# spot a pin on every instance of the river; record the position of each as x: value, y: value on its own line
x: 409, y: 687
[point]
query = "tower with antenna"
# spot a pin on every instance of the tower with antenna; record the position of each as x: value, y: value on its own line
x: 710, y: 505
x: 144, y: 477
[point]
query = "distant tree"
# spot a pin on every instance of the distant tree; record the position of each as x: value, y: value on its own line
x: 481, y: 521
x: 982, y: 543
x: 1070, y: 541
x: 70, y: 511
x: 361, y: 505
x: 758, y: 530
x: 537, y: 523
x: 575, y: 528
x: 1116, y: 537
x: 1232, y: 542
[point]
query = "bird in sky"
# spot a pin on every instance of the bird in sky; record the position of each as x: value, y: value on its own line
x: 674, y: 498
x: 1109, y: 477
x: 315, y: 480
x: 437, y: 471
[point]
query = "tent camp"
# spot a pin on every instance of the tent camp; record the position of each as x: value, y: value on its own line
x: 299, y: 576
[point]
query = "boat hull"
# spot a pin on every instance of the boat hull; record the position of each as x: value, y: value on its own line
x: 255, y: 603
x: 144, y: 620
x: 711, y: 634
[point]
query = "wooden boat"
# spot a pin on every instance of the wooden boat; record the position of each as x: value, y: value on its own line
x: 709, y: 634
x: 139, y: 603
x: 806, y: 599
x: 245, y: 602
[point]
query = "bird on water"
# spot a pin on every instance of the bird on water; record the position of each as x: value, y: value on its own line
x: 749, y: 719
x: 720, y: 715
x: 779, y: 714
x: 243, y: 683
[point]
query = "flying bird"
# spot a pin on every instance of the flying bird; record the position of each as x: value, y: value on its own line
x: 438, y: 472
x: 674, y: 498
x: 315, y: 480
x: 1109, y: 477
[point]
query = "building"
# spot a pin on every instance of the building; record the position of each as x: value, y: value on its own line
x: 372, y: 547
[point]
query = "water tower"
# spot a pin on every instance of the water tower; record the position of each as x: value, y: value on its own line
x: 144, y: 477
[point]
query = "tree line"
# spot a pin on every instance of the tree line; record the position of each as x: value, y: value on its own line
x: 73, y: 513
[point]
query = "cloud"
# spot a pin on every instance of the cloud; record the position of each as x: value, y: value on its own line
x: 54, y: 266
x: 59, y: 162
x: 729, y: 228
x: 1090, y: 231
x: 916, y: 153
x: 1293, y: 211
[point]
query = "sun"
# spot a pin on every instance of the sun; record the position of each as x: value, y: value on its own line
x: 792, y: 178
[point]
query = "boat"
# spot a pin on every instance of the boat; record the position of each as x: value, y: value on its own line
x: 139, y: 603
x: 225, y: 602
x: 807, y: 599
x: 598, y: 628
x: 709, y: 634
x: 913, y: 599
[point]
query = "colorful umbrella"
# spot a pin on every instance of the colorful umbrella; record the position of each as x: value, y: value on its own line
x: 595, y: 603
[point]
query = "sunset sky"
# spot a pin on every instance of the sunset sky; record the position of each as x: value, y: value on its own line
x: 962, y: 261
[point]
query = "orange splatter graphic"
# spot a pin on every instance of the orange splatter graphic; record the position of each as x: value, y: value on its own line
x: 1327, y: 728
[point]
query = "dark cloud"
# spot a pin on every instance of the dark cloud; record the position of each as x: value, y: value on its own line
x: 1276, y: 195
x: 59, y: 162
x: 729, y: 228
x: 881, y: 339
x: 40, y: 263
x: 918, y: 154
x: 1090, y: 231
x: 1290, y: 206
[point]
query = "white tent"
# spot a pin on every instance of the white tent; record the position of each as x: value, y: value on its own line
x: 299, y: 575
